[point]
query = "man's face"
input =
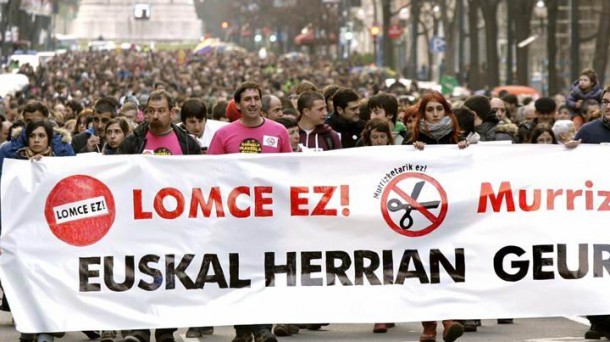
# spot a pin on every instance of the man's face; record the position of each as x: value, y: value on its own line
x: 316, y: 113
x: 250, y: 104
x: 33, y: 117
x: 60, y: 108
x: 351, y: 111
x: 545, y: 117
x: 99, y: 122
x: 563, y: 114
x: 379, y: 113
x: 499, y: 107
x: 195, y: 126
x: 159, y: 116
x: 11, y: 113
x: 605, y: 106
x: 530, y: 114
x: 4, y: 132
x: 275, y: 109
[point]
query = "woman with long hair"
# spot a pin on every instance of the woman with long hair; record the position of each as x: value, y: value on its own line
x: 116, y: 130
x: 436, y: 124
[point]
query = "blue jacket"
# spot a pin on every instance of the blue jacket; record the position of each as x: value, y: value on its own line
x: 61, y: 147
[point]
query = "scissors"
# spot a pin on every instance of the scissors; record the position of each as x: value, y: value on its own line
x: 395, y: 205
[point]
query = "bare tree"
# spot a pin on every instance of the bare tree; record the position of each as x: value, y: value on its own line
x: 523, y: 17
x: 551, y: 46
x: 474, y: 79
x: 449, y: 27
x: 600, y: 60
x: 489, y: 8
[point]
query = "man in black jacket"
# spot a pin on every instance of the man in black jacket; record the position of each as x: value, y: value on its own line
x: 345, y: 120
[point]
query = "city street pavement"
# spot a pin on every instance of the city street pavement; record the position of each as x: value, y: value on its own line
x: 527, y: 330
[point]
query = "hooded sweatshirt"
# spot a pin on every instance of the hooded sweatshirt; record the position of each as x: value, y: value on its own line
x: 322, y: 138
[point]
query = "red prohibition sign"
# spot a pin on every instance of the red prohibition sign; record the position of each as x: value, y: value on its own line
x: 413, y: 204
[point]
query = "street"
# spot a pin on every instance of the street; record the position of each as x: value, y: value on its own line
x: 557, y: 329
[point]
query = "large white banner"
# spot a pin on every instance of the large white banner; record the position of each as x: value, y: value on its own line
x: 382, y: 234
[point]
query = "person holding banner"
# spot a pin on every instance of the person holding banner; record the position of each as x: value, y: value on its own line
x: 598, y: 132
x: 158, y: 136
x: 40, y: 134
x: 436, y: 124
x: 252, y: 133
x: 32, y: 112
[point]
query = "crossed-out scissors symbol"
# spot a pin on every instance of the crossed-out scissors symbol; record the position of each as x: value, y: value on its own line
x: 395, y: 205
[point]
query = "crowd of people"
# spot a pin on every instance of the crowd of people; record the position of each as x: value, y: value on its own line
x: 158, y: 103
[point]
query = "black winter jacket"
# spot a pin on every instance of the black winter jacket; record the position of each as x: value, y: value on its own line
x: 136, y: 141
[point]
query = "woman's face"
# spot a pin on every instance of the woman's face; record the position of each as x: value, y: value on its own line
x: 114, y: 135
x: 82, y: 125
x: 293, y: 133
x: 410, y: 123
x: 544, y: 138
x: 434, y: 112
x: 379, y: 138
x: 38, y: 140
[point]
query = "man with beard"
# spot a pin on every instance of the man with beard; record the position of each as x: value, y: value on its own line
x: 346, y: 120
x: 158, y: 136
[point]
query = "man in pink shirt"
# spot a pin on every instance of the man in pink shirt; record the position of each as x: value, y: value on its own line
x: 251, y: 134
x: 158, y: 135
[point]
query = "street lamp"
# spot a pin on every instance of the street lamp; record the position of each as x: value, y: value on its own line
x: 375, y: 30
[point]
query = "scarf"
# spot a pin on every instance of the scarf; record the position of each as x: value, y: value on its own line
x: 30, y: 154
x: 436, y: 130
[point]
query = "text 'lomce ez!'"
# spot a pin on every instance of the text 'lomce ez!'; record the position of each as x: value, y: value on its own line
x: 239, y: 202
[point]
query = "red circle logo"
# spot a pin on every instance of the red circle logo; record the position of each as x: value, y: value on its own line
x: 80, y: 210
x: 414, y: 204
